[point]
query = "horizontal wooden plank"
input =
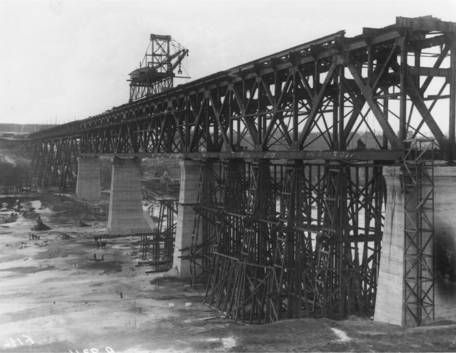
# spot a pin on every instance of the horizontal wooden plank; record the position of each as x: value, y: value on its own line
x: 364, y: 155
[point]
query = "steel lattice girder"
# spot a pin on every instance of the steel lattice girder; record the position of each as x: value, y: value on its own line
x: 318, y: 96
x: 55, y: 163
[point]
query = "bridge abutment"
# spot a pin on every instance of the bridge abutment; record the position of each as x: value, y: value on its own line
x: 190, y: 174
x: 88, y: 184
x: 125, y: 203
x: 390, y: 290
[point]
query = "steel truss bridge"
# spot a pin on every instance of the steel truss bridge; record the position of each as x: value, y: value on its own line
x: 290, y: 216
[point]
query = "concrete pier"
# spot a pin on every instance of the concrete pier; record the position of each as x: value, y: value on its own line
x: 188, y: 197
x: 445, y: 242
x: 88, y: 184
x: 388, y: 304
x: 390, y: 289
x: 125, y: 203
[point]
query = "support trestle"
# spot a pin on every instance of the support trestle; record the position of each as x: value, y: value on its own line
x: 157, y: 247
x: 418, y: 185
x: 288, y: 240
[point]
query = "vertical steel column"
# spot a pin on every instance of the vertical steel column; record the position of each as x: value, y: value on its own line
x: 403, y: 93
x: 452, y: 121
x: 341, y: 143
x: 385, y: 114
x: 418, y: 182
x: 295, y: 110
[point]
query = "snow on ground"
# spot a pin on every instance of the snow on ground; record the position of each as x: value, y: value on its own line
x: 55, y: 298
x: 341, y: 335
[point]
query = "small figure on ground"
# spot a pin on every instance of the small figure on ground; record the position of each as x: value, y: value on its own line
x: 40, y: 225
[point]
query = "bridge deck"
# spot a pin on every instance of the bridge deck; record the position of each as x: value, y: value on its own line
x: 333, y: 98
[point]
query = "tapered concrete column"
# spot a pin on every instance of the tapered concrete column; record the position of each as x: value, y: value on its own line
x: 445, y: 242
x: 388, y: 304
x: 188, y: 197
x: 390, y: 289
x: 88, y: 184
x: 125, y: 203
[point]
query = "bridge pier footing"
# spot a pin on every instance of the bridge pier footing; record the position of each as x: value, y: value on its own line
x: 88, y: 184
x: 389, y: 305
x: 190, y: 173
x: 125, y: 203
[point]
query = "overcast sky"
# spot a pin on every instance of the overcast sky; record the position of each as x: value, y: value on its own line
x: 62, y: 60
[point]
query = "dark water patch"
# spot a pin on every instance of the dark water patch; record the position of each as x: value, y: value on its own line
x: 51, y: 254
x: 58, y: 248
x: 29, y: 214
x: 106, y: 266
x: 50, y: 307
x: 99, y: 284
x: 11, y: 257
x: 137, y: 309
x: 28, y: 269
x: 71, y: 211
x: 8, y: 218
x: 166, y: 279
x: 167, y: 297
x: 196, y: 298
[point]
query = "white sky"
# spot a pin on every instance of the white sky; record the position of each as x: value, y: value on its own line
x: 62, y: 60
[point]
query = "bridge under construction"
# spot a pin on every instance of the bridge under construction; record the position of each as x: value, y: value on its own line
x: 316, y: 181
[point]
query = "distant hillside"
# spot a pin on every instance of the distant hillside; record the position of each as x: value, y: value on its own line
x: 14, y: 163
x: 318, y: 142
x: 21, y: 129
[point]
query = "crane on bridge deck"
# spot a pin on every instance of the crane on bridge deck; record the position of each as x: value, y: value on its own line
x: 156, y: 70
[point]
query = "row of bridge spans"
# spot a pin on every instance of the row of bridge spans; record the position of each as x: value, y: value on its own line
x: 310, y: 101
x: 290, y: 211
